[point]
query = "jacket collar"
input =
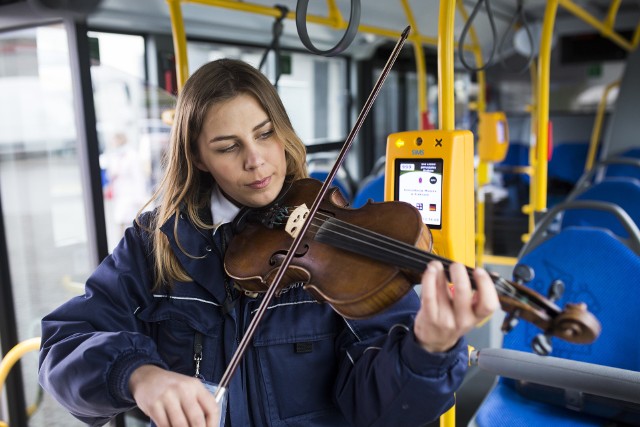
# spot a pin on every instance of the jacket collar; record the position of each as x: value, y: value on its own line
x: 222, y: 209
x: 198, y: 251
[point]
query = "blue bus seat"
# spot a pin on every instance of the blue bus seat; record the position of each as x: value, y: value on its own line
x: 517, y: 157
x: 567, y: 161
x: 514, y: 176
x: 633, y: 153
x: 601, y: 271
x: 630, y: 168
x: 624, y: 192
x: 565, y: 169
x: 612, y: 167
x: 550, y: 224
x: 337, y: 182
x: 372, y: 189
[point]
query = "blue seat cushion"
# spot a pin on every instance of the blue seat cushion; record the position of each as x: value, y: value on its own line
x: 503, y: 406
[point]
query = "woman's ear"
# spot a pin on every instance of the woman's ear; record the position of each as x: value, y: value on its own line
x: 198, y: 162
x: 200, y: 165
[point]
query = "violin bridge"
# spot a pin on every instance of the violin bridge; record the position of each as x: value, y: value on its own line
x: 296, y: 219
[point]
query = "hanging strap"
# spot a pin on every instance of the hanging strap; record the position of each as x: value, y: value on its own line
x: 347, y: 38
x: 276, y: 31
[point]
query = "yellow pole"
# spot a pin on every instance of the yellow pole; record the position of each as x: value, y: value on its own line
x: 636, y: 37
x: 179, y: 42
x: 597, y: 127
x: 544, y: 71
x: 446, y: 105
x: 611, y: 16
x: 334, y: 13
x: 334, y: 20
x: 595, y: 23
x: 483, y: 179
x: 421, y: 68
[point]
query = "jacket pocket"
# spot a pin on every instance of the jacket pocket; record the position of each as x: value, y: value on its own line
x: 174, y: 323
x: 297, y: 361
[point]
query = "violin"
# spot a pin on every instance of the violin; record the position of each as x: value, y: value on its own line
x: 385, y: 246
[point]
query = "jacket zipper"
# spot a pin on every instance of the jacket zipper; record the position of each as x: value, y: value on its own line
x: 197, y: 354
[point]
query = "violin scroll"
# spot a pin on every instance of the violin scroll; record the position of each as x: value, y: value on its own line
x: 574, y: 323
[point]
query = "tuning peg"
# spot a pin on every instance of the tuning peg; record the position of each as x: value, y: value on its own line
x: 556, y: 290
x: 541, y: 345
x: 523, y: 273
x: 510, y: 321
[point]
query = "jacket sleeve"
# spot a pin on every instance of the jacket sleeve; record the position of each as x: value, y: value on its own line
x: 92, y: 343
x: 387, y: 379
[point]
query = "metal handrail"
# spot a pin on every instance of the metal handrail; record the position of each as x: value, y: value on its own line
x: 12, y: 357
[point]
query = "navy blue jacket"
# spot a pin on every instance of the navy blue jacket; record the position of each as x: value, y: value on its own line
x: 307, y: 365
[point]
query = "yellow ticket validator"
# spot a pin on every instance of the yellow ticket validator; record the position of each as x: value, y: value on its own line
x: 493, y: 136
x: 433, y: 171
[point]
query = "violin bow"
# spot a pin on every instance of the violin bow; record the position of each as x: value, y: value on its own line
x: 268, y: 296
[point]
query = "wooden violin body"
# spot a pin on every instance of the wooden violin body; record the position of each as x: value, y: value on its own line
x: 363, y: 260
x: 353, y: 285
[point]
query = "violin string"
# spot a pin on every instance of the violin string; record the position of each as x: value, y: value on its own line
x: 388, y: 243
x: 395, y: 248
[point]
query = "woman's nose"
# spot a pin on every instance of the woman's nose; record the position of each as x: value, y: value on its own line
x: 254, y: 157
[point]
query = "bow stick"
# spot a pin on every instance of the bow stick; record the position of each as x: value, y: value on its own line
x: 244, y: 343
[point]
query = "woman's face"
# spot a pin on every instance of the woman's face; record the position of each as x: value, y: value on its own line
x: 240, y: 149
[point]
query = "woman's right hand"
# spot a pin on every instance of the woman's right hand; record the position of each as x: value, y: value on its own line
x: 173, y: 400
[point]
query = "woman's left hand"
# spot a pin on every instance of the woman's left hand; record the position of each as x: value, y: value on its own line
x: 447, y: 313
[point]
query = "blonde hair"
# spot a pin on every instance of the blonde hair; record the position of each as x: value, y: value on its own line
x: 185, y: 188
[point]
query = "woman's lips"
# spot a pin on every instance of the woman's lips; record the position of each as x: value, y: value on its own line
x: 257, y: 185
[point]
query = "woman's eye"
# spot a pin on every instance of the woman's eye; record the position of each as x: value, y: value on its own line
x: 228, y: 149
x: 267, y: 134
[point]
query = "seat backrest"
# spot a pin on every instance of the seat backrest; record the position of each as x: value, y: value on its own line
x: 517, y: 157
x: 631, y: 153
x: 624, y: 192
x: 567, y: 161
x: 337, y: 182
x: 600, y: 271
x: 630, y: 170
x: 371, y: 190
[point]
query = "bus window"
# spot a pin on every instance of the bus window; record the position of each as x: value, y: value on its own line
x: 313, y: 89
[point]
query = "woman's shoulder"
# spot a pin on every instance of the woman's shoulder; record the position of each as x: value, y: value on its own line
x: 145, y: 224
x: 147, y: 218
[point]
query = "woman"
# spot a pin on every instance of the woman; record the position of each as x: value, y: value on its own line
x: 159, y: 318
